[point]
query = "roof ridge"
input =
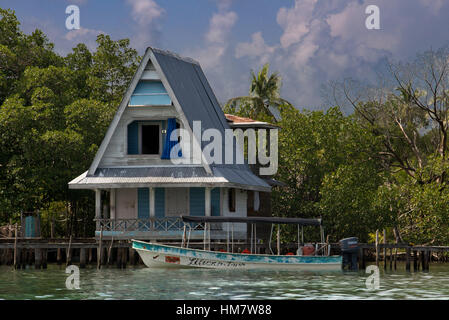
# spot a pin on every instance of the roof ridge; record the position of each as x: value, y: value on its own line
x: 174, y: 55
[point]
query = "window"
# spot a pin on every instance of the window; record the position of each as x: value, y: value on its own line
x: 145, y: 137
x: 150, y: 143
x: 231, y: 199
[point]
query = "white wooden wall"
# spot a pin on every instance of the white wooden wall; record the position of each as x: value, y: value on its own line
x: 116, y: 151
x: 240, y: 208
x: 126, y: 203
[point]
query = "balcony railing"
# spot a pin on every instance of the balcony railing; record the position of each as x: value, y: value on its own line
x: 147, y: 224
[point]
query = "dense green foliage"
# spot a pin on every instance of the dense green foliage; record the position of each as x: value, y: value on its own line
x: 383, y: 166
x: 54, y: 113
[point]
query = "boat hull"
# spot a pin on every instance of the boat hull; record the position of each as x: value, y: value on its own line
x: 158, y: 255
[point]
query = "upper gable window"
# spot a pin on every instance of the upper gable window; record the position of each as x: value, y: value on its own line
x: 150, y: 93
x: 145, y: 137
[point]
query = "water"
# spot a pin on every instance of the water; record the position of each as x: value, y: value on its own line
x: 196, y: 284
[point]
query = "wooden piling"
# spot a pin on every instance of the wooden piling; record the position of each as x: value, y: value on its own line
x: 37, y: 258
x: 44, y: 258
x: 82, y: 257
x: 377, y: 248
x: 90, y: 256
x: 100, y: 249
x: 132, y: 256
x: 415, y: 261
x: 361, y: 258
x: 59, y: 256
x: 391, y: 259
x: 15, y: 246
x: 385, y: 249
x: 407, y: 259
x: 278, y: 240
x: 69, y: 252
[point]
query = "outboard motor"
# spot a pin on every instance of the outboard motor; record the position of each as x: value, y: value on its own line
x: 349, y: 250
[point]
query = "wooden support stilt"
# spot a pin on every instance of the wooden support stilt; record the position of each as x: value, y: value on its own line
x: 278, y: 240
x: 377, y: 248
x: 415, y: 261
x: 90, y: 256
x: 15, y: 247
x: 391, y: 259
x: 82, y: 257
x: 99, y: 255
x: 59, y: 256
x: 124, y: 257
x: 361, y: 259
x: 37, y: 258
x: 69, y: 252
x: 385, y: 249
x: 44, y: 258
x: 407, y: 259
x: 119, y: 258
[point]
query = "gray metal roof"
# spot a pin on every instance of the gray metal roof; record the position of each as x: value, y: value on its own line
x: 198, y: 103
x: 168, y: 176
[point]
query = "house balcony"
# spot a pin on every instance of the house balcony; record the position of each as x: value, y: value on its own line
x: 161, y: 229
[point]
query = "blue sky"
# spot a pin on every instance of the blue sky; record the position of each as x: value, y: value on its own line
x: 309, y: 42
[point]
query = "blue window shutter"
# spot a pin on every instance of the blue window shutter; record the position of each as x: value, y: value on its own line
x: 133, y: 138
x: 159, y: 202
x: 143, y: 203
x: 215, y: 201
x: 197, y: 204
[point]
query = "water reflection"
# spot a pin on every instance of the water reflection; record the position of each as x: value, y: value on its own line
x: 145, y: 283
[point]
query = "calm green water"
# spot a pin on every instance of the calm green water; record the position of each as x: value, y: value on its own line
x: 145, y: 283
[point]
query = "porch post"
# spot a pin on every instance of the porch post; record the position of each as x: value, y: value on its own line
x: 98, y: 206
x: 152, y: 201
x: 208, y: 202
x: 112, y: 204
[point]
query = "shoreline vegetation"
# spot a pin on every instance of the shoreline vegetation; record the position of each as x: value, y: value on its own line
x: 383, y: 165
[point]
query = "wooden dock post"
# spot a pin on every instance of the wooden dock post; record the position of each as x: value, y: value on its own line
x: 59, y: 256
x: 377, y: 247
x: 361, y: 258
x: 391, y: 259
x: 132, y: 256
x: 37, y: 258
x: 15, y: 247
x: 278, y: 240
x: 82, y: 257
x: 100, y: 249
x: 90, y: 256
x: 119, y: 258
x: 69, y: 252
x: 395, y: 257
x: 44, y: 258
x: 385, y: 249
x: 415, y: 261
x: 407, y: 259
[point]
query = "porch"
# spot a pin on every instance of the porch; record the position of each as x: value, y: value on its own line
x: 163, y: 228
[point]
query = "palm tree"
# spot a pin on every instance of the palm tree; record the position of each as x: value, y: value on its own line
x: 264, y: 96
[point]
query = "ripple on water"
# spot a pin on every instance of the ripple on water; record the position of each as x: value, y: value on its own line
x: 145, y: 283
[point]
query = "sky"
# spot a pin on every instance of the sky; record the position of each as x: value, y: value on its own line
x: 308, y: 42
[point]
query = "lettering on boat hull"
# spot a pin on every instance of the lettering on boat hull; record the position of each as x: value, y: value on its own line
x: 212, y: 263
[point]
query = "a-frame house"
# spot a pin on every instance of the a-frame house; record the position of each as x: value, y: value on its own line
x: 140, y: 192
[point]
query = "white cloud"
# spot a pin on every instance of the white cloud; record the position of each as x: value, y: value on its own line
x: 219, y: 27
x: 295, y: 21
x: 257, y: 48
x: 145, y: 12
